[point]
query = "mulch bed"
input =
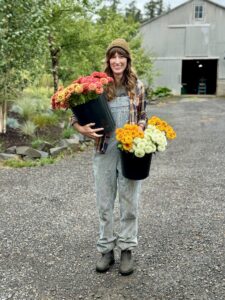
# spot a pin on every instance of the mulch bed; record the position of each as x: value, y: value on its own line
x: 13, y: 137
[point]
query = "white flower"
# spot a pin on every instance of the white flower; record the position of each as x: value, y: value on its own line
x: 161, y: 148
x: 159, y: 138
x: 137, y: 140
x: 139, y: 152
x: 141, y: 145
x: 150, y: 148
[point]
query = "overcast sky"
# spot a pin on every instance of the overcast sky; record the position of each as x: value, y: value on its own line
x: 173, y: 3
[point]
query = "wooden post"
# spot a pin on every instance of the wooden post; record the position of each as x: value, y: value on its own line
x: 3, y: 116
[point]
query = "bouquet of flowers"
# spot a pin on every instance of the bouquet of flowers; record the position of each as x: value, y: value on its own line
x: 131, y: 139
x: 80, y: 91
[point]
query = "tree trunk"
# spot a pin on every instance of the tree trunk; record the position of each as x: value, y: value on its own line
x: 3, y: 116
x: 54, y: 52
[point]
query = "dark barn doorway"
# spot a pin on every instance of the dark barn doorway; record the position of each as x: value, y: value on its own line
x: 199, y: 76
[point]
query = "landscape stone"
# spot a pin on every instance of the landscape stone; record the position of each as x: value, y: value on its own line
x: 45, y: 146
x: 57, y: 150
x: 82, y: 138
x: 62, y: 143
x: 21, y: 150
x: 11, y: 150
x: 7, y: 156
x: 44, y: 154
x: 76, y: 136
x: 33, y: 153
x: 73, y: 144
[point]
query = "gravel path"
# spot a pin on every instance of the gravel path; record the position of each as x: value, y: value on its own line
x: 49, y: 226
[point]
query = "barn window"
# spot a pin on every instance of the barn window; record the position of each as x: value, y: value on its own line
x: 198, y: 12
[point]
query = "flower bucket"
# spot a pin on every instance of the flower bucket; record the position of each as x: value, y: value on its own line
x: 133, y: 167
x: 95, y: 111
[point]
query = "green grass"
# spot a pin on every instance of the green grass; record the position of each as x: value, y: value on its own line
x: 45, y: 119
x: 68, y: 132
x: 36, y: 143
x: 16, y: 163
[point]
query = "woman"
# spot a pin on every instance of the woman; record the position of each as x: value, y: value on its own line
x: 126, y: 100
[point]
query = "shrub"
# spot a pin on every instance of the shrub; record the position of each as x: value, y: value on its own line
x: 25, y: 107
x: 28, y: 128
x: 161, y: 92
x: 68, y: 132
x: 33, y: 100
x: 12, y: 123
x: 45, y: 119
x: 36, y: 143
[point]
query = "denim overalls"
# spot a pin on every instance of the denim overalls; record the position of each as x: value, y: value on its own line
x: 109, y: 180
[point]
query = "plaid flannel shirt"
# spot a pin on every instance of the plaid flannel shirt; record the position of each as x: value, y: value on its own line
x: 137, y: 115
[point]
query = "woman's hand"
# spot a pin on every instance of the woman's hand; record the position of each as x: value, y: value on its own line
x: 88, y: 131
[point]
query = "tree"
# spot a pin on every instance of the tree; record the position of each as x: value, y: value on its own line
x: 21, y: 33
x: 133, y: 12
x: 154, y: 8
x: 114, y: 4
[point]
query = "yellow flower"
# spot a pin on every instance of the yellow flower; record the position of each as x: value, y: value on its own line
x: 127, y: 147
x: 78, y: 88
x: 61, y: 96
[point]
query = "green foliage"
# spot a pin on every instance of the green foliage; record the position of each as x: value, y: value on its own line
x: 25, y: 108
x: 154, y: 8
x: 16, y: 163
x: 21, y: 41
x: 28, y: 128
x: 32, y: 103
x: 72, y: 34
x: 36, y: 143
x: 132, y: 11
x: 41, y: 93
x: 12, y: 123
x: 45, y: 119
x: 161, y: 92
x: 68, y: 132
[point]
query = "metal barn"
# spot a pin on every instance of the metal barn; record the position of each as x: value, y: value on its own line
x: 188, y: 47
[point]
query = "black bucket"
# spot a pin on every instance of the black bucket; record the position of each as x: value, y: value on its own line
x: 95, y: 111
x: 133, y: 167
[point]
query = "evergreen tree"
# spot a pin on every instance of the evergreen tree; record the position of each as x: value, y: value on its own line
x: 154, y: 8
x: 133, y: 12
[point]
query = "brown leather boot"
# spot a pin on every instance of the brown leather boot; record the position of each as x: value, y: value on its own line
x: 126, y: 263
x: 105, y: 262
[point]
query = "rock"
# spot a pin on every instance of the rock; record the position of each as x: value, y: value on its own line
x: 77, y: 137
x: 44, y: 154
x: 21, y: 150
x: 11, y: 150
x: 7, y: 156
x: 73, y: 144
x: 57, y: 150
x: 45, y: 146
x: 62, y: 143
x: 32, y: 153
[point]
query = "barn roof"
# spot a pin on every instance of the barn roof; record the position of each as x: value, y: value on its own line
x: 186, y: 2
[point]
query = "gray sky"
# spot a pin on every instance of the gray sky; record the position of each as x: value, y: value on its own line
x: 173, y: 3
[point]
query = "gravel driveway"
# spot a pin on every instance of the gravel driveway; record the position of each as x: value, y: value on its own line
x: 49, y: 226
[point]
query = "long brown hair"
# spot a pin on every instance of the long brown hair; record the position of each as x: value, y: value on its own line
x: 129, y: 78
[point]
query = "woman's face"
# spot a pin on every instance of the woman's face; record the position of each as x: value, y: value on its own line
x: 118, y: 63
